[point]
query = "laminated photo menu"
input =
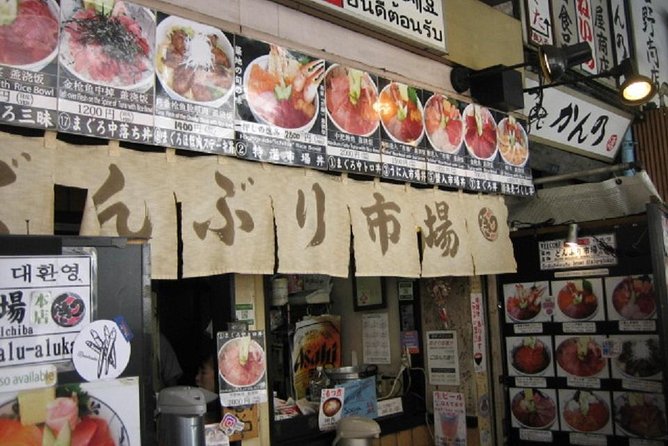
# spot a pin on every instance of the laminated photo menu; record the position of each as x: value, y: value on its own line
x: 353, y: 121
x: 402, y: 132
x: 280, y: 110
x: 29, y: 63
x: 584, y: 352
x: 106, y: 70
x: 194, y: 92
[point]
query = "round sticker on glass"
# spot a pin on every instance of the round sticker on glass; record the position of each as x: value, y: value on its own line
x: 100, y: 351
x: 68, y: 309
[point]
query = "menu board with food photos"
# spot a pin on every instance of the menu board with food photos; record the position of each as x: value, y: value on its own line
x: 194, y: 92
x: 402, y: 132
x: 444, y: 132
x: 584, y: 358
x: 28, y: 63
x: 353, y: 135
x: 116, y: 70
x: 280, y: 116
x: 106, y: 70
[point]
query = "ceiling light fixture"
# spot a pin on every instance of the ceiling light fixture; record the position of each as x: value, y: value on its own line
x: 554, y: 60
x: 636, y: 89
x: 501, y: 86
x: 572, y: 237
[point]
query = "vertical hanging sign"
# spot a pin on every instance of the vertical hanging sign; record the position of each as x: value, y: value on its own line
x: 565, y: 30
x: 539, y: 22
x: 586, y: 32
x: 620, y: 30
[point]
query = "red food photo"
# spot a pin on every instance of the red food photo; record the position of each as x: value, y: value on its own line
x: 479, y: 132
x: 525, y: 303
x: 66, y: 416
x: 531, y: 356
x: 351, y: 97
x: 577, y: 302
x: 443, y: 122
x: 580, y: 356
x: 634, y: 298
x: 585, y: 412
x: 241, y: 362
x: 282, y: 89
x: 534, y: 409
x: 401, y: 113
x: 110, y: 47
x: 29, y: 35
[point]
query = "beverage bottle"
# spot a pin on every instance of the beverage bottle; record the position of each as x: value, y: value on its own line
x: 317, y: 383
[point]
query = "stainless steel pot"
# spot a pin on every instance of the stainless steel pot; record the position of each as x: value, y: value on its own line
x: 351, y: 373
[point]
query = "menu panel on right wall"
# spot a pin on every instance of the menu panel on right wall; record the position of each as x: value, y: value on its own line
x: 583, y: 345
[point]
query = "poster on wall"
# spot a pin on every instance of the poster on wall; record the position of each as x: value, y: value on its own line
x: 443, y: 358
x: 353, y: 122
x: 106, y: 70
x: 401, y: 109
x: 280, y: 110
x: 44, y: 303
x: 444, y: 132
x: 28, y: 63
x: 449, y: 419
x: 242, y: 367
x: 480, y: 140
x: 194, y: 91
x: 101, y: 413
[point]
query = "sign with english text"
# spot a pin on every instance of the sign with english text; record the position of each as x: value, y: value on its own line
x: 44, y: 302
x: 573, y: 123
x: 591, y: 251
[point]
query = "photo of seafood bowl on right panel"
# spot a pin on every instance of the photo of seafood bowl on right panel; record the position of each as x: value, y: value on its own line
x: 631, y: 298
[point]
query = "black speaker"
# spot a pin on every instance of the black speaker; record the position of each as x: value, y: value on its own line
x: 495, y: 88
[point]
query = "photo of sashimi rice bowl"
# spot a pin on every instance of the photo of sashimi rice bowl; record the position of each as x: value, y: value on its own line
x: 194, y: 61
x: 241, y: 362
x: 401, y: 113
x: 108, y: 43
x: 351, y: 97
x: 577, y: 300
x: 634, y: 298
x: 28, y: 33
x: 585, y: 412
x: 444, y: 125
x: 513, y: 142
x: 530, y: 356
x: 525, y: 303
x: 282, y: 88
x: 480, y: 132
x: 60, y: 416
x: 641, y: 414
x: 580, y: 356
x: 534, y: 409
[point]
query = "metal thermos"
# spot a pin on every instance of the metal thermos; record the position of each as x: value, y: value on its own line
x: 181, y: 416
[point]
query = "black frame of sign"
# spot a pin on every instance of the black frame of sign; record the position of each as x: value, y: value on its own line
x: 377, y: 300
x: 638, y: 251
x: 658, y: 236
